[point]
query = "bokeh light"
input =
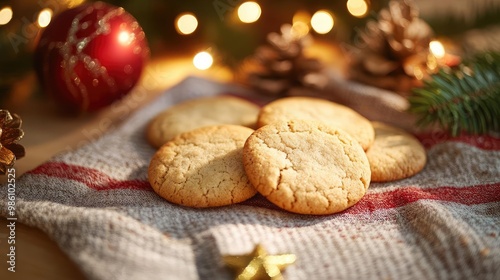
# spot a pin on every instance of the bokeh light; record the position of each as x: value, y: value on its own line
x: 44, y: 17
x: 300, y: 29
x: 125, y: 38
x: 437, y: 49
x: 74, y: 3
x: 300, y: 23
x: 357, y: 8
x: 322, y: 22
x: 5, y: 15
x: 203, y: 60
x: 249, y: 12
x: 186, y: 23
x: 301, y: 16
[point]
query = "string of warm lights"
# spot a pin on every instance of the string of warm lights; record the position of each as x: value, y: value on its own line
x: 44, y: 16
x: 321, y: 22
x: 43, y: 19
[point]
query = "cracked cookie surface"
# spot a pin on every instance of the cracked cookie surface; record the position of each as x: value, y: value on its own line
x: 330, y: 113
x: 394, y: 154
x: 200, y: 112
x: 306, y: 167
x: 203, y: 167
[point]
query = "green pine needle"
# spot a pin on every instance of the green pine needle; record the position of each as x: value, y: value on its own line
x: 463, y: 100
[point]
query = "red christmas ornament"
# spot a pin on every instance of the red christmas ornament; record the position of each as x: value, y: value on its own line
x: 90, y: 56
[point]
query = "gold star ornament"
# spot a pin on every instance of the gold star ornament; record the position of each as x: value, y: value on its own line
x: 259, y: 264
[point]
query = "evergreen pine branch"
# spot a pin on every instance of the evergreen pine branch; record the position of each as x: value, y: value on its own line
x: 462, y: 100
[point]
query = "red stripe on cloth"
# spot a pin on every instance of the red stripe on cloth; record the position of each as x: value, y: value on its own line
x: 93, y: 178
x: 400, y: 197
x: 471, y: 195
x: 396, y: 198
x: 485, y: 142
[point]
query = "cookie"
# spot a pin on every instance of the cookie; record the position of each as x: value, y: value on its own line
x: 202, y: 167
x: 306, y: 167
x: 394, y: 154
x: 308, y: 108
x: 200, y: 112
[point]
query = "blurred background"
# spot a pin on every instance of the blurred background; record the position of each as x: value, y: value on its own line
x: 230, y: 30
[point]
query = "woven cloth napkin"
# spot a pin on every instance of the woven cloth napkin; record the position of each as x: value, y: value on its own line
x: 95, y: 202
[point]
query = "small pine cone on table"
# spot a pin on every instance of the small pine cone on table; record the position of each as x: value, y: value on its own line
x: 10, y: 134
x: 392, y: 52
x: 281, y: 66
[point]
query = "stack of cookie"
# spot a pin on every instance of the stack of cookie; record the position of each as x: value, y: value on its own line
x: 307, y: 155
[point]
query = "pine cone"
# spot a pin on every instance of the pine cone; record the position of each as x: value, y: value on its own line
x: 281, y: 65
x: 10, y: 133
x: 392, y: 52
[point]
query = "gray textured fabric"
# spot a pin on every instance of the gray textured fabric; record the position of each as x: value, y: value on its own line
x: 95, y: 202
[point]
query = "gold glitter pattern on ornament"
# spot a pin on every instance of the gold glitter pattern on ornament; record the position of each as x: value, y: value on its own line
x: 259, y: 264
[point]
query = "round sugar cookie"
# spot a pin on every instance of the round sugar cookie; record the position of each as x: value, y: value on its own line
x: 202, y: 167
x: 394, y: 154
x: 200, y: 112
x: 306, y: 167
x: 330, y: 113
